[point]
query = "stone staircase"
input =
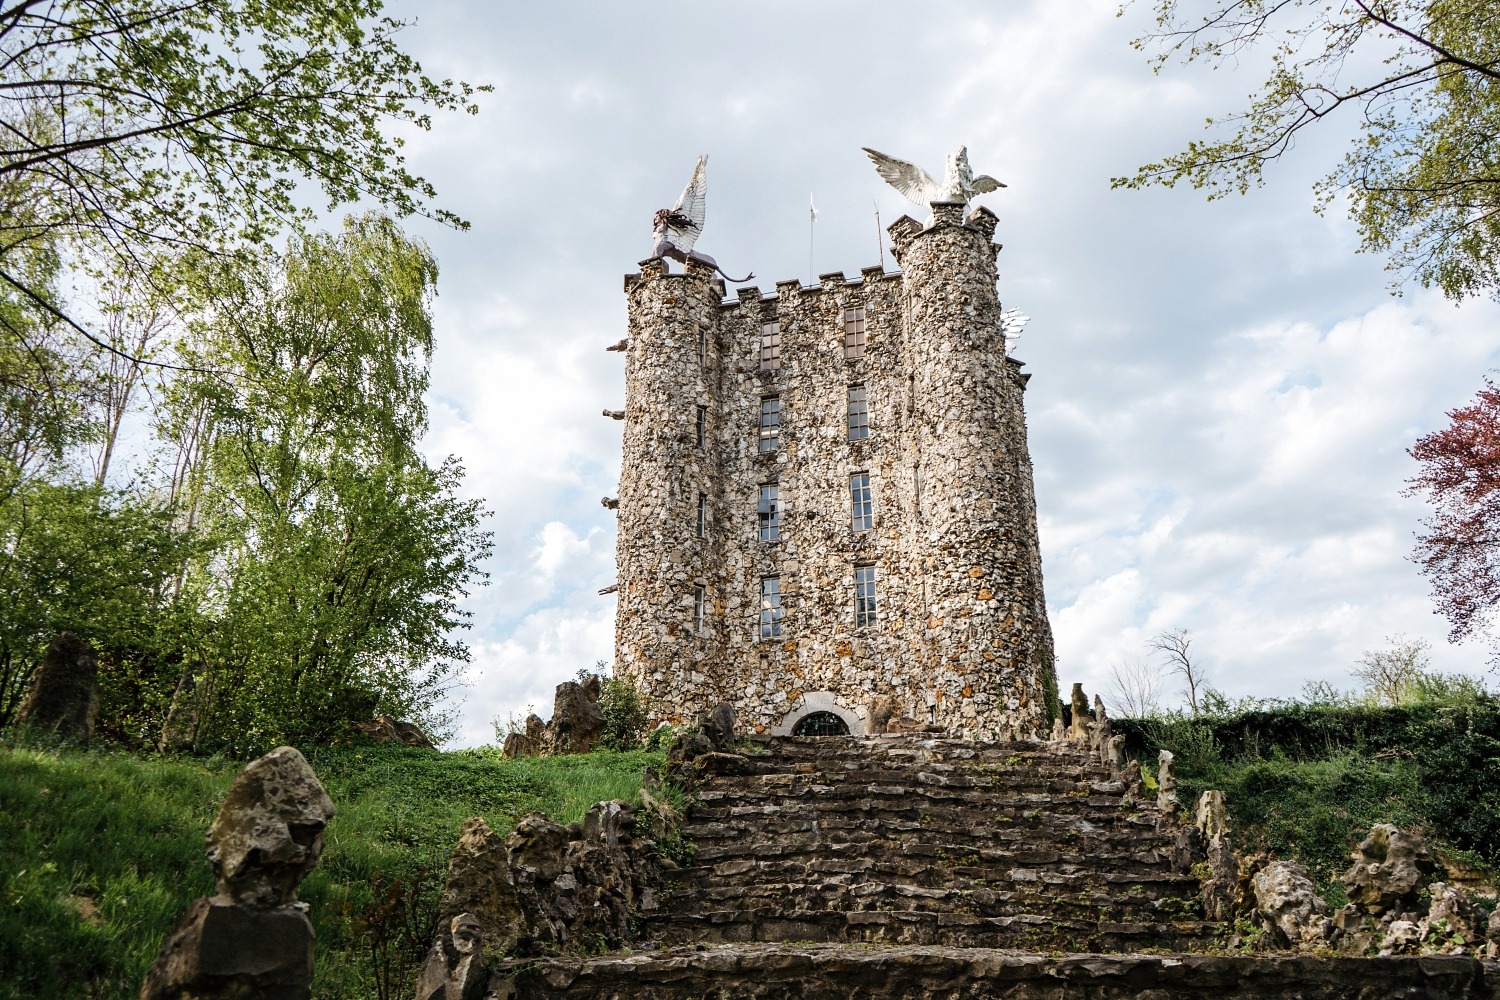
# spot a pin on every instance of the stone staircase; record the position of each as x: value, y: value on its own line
x: 920, y: 867
x: 926, y: 840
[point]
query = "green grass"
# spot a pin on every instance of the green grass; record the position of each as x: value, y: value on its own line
x: 100, y: 852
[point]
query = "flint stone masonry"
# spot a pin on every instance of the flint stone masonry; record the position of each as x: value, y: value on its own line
x: 961, y: 637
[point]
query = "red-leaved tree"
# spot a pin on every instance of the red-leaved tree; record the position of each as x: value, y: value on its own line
x: 1460, y: 477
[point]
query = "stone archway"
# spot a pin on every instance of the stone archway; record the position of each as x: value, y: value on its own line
x: 818, y: 701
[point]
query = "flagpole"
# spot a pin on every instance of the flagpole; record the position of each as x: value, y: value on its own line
x: 879, y: 241
x: 812, y: 217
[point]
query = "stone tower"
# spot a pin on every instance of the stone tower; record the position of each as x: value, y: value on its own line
x: 826, y: 498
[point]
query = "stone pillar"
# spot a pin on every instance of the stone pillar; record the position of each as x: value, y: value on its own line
x: 673, y: 370
x: 983, y: 634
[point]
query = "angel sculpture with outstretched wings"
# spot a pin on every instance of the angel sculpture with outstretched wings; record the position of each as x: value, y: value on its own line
x: 674, y: 230
x: 958, y: 184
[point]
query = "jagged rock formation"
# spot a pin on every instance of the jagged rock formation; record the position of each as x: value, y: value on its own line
x: 64, y: 694
x: 384, y: 729
x: 576, y: 725
x: 252, y: 939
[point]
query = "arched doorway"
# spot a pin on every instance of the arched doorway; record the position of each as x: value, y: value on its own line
x: 821, y: 724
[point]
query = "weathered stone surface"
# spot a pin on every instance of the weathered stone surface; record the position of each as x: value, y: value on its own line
x: 960, y: 638
x: 1289, y: 907
x: 384, y: 729
x: 223, y: 951
x: 577, y: 722
x: 479, y: 884
x: 718, y: 726
x: 1166, y: 782
x: 455, y: 967
x: 1390, y: 867
x: 1454, y: 919
x: 1211, y: 817
x: 1078, y: 710
x: 252, y: 941
x: 912, y: 972
x: 269, y: 833
x: 64, y: 694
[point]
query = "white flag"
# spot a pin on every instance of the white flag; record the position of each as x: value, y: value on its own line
x: 812, y: 209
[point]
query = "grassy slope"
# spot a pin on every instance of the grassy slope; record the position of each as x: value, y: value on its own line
x: 100, y: 852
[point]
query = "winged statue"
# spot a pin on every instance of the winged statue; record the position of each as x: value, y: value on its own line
x: 674, y: 230
x: 958, y: 184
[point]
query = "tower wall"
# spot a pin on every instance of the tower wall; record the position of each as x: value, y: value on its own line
x: 960, y: 636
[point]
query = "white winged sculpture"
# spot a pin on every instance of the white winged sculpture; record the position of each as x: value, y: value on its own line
x: 674, y: 230
x: 958, y: 184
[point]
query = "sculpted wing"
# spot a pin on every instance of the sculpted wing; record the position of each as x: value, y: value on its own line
x: 984, y: 184
x: 694, y: 204
x: 911, y: 180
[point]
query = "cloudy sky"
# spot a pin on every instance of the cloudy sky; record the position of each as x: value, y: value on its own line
x: 1222, y: 395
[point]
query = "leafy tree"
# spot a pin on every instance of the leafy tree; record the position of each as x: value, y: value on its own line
x: 129, y: 124
x: 1420, y: 78
x: 340, y: 556
x: 76, y: 558
x: 1460, y: 477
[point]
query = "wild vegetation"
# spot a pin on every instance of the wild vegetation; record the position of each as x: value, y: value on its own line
x: 1305, y: 778
x: 102, y: 851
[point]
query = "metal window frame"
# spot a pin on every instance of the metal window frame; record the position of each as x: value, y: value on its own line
x: 700, y: 607
x: 770, y: 608
x: 702, y: 515
x: 859, y: 419
x: 770, y: 432
x: 770, y: 346
x: 855, y: 332
x: 861, y: 502
x: 701, y: 427
x: 866, y: 604
x: 768, y: 522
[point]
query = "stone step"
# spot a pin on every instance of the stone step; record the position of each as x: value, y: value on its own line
x: 1085, y: 903
x: 926, y: 972
x: 1037, y: 826
x: 955, y: 929
x: 734, y: 859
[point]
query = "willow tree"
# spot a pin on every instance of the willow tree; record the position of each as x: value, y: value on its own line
x: 1415, y: 82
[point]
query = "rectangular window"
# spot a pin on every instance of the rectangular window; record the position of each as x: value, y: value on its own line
x: 859, y: 496
x: 700, y: 608
x: 768, y: 513
x: 859, y: 413
x: 770, y: 347
x: 864, y: 596
x: 770, y: 607
x: 770, y: 422
x: 854, y: 332
x: 702, y: 515
x: 701, y: 427
x: 702, y: 347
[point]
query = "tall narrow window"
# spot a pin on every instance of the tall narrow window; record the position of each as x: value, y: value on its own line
x: 768, y: 513
x: 702, y: 515
x: 854, y: 332
x: 863, y: 507
x: 859, y: 413
x: 701, y: 425
x: 700, y: 608
x: 770, y: 607
x: 770, y: 347
x: 702, y: 347
x: 770, y: 422
x: 864, y: 596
